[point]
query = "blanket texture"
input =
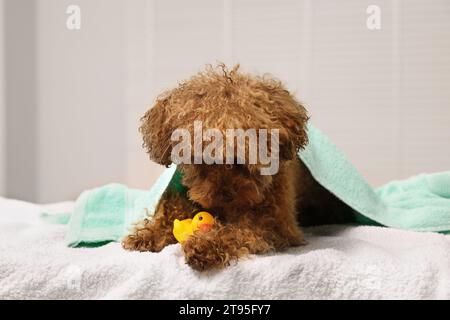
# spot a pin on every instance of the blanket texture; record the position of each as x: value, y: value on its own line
x: 421, y: 203
x: 340, y: 262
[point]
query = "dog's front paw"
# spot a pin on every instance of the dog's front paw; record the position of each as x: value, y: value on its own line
x: 146, y: 240
x: 133, y: 243
x: 204, y: 254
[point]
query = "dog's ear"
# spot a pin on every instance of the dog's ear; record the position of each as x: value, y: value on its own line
x: 292, y: 117
x: 156, y: 132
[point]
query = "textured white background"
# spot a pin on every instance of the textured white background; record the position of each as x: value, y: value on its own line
x: 382, y: 96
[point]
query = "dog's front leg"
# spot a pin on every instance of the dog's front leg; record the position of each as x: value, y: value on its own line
x: 156, y: 233
x: 222, y: 245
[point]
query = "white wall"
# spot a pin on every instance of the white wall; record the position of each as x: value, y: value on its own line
x: 2, y: 109
x: 382, y: 96
x: 80, y: 97
x: 20, y: 99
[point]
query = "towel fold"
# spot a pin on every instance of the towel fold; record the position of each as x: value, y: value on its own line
x: 421, y: 203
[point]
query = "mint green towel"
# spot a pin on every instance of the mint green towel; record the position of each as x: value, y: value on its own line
x: 101, y: 214
x: 106, y: 213
x: 421, y: 203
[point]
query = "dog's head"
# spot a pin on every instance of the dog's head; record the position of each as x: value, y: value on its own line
x: 221, y: 100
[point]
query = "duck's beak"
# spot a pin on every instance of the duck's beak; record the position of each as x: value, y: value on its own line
x: 205, y: 227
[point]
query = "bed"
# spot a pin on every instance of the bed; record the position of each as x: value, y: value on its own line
x: 339, y: 262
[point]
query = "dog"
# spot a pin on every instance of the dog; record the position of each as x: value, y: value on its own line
x: 254, y: 213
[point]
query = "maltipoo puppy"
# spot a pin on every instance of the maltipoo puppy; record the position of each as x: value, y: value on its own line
x: 255, y: 211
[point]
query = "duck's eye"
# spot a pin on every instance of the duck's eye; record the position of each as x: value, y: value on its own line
x: 200, y: 218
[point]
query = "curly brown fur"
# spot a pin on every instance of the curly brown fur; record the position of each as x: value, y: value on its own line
x: 256, y: 213
x: 155, y: 234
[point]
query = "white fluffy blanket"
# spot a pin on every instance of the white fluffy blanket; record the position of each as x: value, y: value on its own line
x: 340, y: 262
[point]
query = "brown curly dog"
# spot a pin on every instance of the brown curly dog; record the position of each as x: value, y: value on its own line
x: 255, y: 213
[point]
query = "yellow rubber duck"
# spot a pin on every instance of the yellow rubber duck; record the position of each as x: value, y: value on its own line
x: 202, y: 221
